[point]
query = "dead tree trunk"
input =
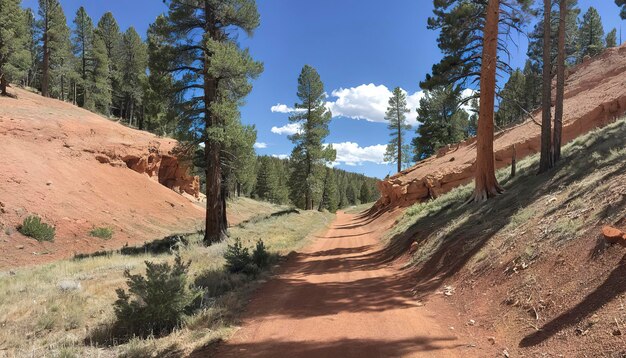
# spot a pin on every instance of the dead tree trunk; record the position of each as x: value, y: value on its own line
x: 486, y: 184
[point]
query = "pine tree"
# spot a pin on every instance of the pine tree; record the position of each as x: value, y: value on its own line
x: 536, y: 37
x: 99, y: 78
x: 134, y: 62
x: 309, y: 152
x: 396, y: 115
x: 266, y: 180
x: 32, y: 43
x: 83, y: 46
x: 560, y: 81
x: 159, y: 103
x: 622, y: 4
x: 200, y: 50
x: 108, y: 31
x: 531, y: 99
x: 365, y: 194
x: 545, y: 159
x: 57, y: 59
x: 512, y: 108
x: 239, y: 157
x: 14, y: 56
x: 469, y: 38
x: 591, y: 34
x: 443, y: 121
x: 329, y: 196
x: 351, y: 195
x: 611, y: 39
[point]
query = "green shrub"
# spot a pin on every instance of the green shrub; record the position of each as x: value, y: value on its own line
x: 260, y: 256
x: 238, y: 259
x: 160, y: 300
x: 104, y: 233
x: 33, y: 227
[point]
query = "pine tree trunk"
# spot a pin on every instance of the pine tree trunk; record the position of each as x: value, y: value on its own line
x: 216, y: 219
x: 3, y: 85
x: 486, y: 184
x: 545, y: 160
x: 399, y: 145
x: 560, y: 83
x: 45, y: 74
x: 62, y: 88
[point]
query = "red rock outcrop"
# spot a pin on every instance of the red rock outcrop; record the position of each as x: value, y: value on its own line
x: 595, y: 95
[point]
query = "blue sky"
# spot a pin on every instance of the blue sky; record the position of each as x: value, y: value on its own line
x: 361, y: 48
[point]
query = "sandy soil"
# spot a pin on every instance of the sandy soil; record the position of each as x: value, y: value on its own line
x: 340, y: 298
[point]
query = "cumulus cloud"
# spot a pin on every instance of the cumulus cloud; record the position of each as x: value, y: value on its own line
x: 283, y: 108
x: 280, y: 156
x: 368, y: 102
x: 350, y: 153
x: 288, y: 129
x: 260, y: 145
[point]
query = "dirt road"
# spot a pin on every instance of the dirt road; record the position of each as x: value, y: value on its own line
x: 339, y: 299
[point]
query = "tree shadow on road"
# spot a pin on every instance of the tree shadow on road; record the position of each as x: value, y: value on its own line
x: 339, y: 348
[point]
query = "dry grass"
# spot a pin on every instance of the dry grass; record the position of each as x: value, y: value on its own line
x: 59, y: 309
x: 582, y: 192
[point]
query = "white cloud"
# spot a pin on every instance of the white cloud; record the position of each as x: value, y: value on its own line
x: 289, y: 129
x: 368, y: 102
x: 350, y: 153
x: 260, y: 145
x: 280, y: 156
x: 283, y: 108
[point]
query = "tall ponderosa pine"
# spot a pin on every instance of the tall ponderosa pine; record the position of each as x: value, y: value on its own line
x: 57, y: 59
x: 560, y: 81
x: 486, y: 184
x: 14, y: 56
x: 443, y: 121
x: 160, y: 115
x: 591, y: 34
x: 546, y: 159
x: 199, y: 48
x: 108, y: 31
x: 309, y: 154
x: 133, y: 60
x: 396, y: 115
x: 83, y: 45
x: 469, y: 38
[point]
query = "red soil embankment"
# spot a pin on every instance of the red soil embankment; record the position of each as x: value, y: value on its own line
x: 595, y: 95
x: 77, y: 171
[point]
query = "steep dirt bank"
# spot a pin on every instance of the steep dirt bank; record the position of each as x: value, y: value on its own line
x: 530, y: 271
x: 595, y: 95
x: 77, y: 171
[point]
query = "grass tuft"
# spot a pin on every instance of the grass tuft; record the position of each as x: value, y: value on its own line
x: 38, y: 230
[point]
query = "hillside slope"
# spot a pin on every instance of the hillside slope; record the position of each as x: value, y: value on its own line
x: 78, y: 171
x: 529, y: 272
x: 595, y: 95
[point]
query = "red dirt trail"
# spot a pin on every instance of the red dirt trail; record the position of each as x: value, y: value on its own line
x: 339, y: 298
